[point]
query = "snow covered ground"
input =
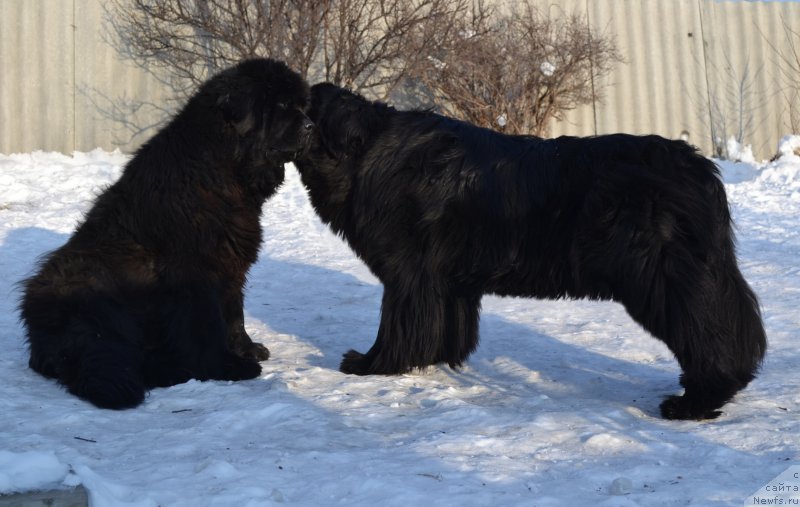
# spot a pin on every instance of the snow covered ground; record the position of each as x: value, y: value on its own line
x: 558, y: 406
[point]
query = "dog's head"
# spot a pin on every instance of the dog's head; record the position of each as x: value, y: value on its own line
x: 263, y: 103
x: 345, y: 121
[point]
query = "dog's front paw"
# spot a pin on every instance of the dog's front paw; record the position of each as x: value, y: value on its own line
x: 355, y: 363
x: 256, y: 352
x: 240, y: 369
x: 681, y: 407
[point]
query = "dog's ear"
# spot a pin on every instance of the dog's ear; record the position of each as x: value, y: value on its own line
x: 346, y: 122
x: 354, y: 139
x: 237, y: 111
x: 362, y: 122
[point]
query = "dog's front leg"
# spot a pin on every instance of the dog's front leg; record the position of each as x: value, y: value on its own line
x: 240, y: 342
x: 419, y: 321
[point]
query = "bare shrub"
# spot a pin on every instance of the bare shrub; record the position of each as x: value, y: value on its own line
x: 366, y: 45
x: 185, y: 41
x: 787, y: 57
x: 518, y: 70
x: 372, y: 45
x: 514, y: 71
x: 734, y: 101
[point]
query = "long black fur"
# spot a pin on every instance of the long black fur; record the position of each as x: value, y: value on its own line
x: 443, y: 212
x: 148, y: 290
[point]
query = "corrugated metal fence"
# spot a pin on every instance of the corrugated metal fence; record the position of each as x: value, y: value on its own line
x: 700, y: 68
x: 63, y: 87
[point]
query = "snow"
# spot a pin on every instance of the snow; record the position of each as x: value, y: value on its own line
x: 789, y: 146
x: 558, y: 406
x: 785, y: 487
x: 25, y: 470
x: 739, y: 152
x: 547, y: 68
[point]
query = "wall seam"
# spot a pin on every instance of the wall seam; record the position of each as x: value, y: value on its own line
x: 74, y: 80
x: 591, y: 69
x: 705, y: 73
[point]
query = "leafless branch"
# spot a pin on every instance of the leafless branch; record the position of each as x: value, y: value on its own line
x: 518, y: 71
x: 188, y: 40
x: 515, y: 71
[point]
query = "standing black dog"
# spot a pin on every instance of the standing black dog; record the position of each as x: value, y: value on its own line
x: 443, y: 212
x: 148, y: 290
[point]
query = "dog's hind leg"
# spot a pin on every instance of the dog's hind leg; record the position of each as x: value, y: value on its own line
x: 109, y: 375
x: 96, y: 355
x: 727, y: 352
x: 709, y: 319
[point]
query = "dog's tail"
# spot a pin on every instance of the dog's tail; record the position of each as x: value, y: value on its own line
x: 736, y: 303
x: 738, y: 306
x: 92, y: 347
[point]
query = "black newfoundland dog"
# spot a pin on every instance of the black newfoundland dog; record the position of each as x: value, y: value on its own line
x: 148, y: 290
x: 443, y: 212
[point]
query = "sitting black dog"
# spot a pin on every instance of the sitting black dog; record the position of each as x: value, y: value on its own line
x: 148, y: 290
x: 443, y: 212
